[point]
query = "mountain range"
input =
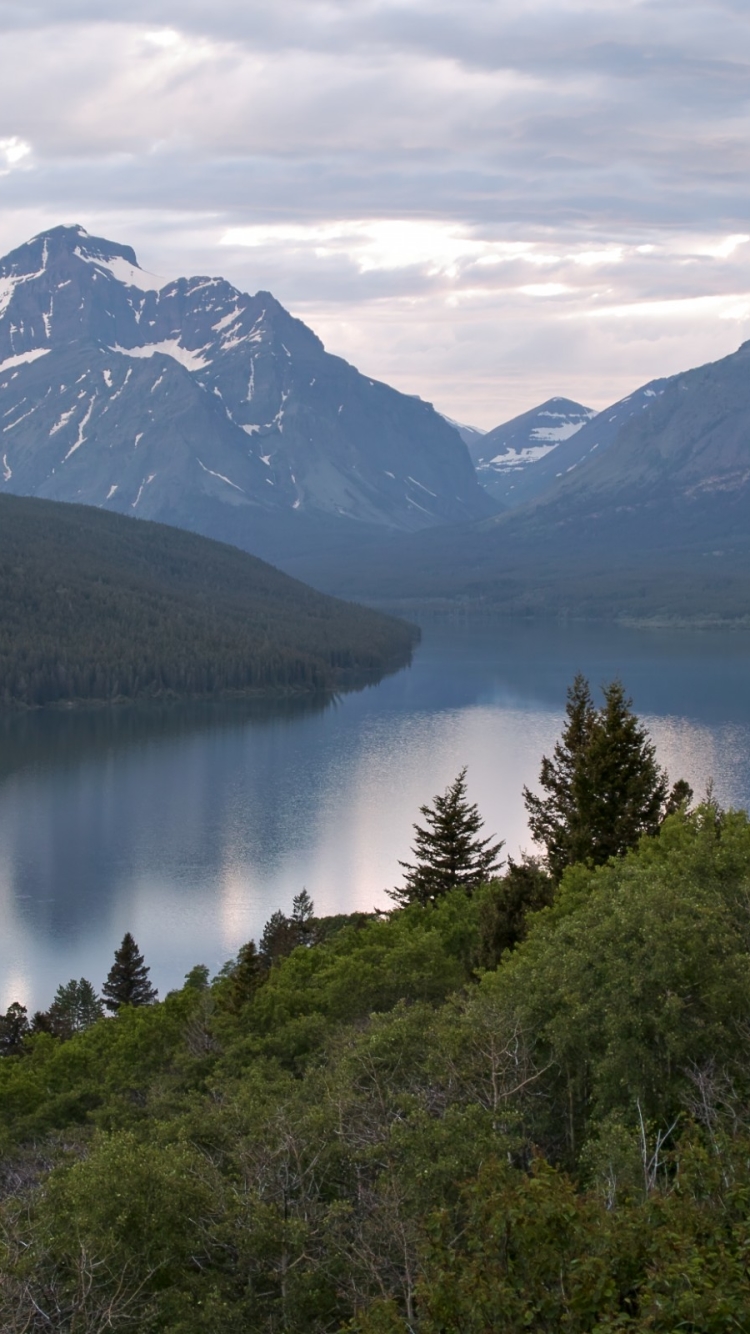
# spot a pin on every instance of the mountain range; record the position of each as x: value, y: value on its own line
x: 195, y: 404
x: 644, y: 511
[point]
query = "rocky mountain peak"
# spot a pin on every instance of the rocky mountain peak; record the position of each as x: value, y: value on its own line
x: 195, y: 403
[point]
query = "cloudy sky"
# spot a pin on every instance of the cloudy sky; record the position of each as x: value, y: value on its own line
x: 483, y: 203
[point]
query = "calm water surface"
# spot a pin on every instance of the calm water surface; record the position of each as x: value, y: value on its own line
x: 189, y: 825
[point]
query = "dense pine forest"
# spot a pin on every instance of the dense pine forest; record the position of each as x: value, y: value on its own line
x: 101, y: 607
x: 515, y: 1105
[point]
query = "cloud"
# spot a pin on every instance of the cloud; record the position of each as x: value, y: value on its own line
x: 482, y: 203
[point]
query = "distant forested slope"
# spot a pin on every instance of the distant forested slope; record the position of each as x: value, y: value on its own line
x: 97, y: 606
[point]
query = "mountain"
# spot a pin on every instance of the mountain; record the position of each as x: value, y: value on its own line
x: 541, y: 471
x: 192, y: 403
x: 471, y: 435
x: 652, y: 520
x: 507, y: 457
x: 99, y: 607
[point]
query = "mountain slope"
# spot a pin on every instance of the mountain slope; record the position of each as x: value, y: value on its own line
x: 655, y: 523
x: 196, y: 404
x: 97, y: 606
x: 507, y: 458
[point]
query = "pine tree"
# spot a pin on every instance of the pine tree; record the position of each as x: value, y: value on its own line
x: 278, y: 940
x: 127, y: 982
x: 245, y: 977
x: 75, y: 1007
x: 14, y: 1028
x: 303, y: 918
x: 448, y: 852
x: 559, y: 821
x: 604, y: 788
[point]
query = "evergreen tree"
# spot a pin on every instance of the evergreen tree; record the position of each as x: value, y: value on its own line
x: 282, y: 934
x: 245, y: 977
x: 278, y: 938
x: 14, y: 1028
x: 448, y: 852
x: 559, y: 821
x: 75, y: 1007
x: 127, y: 982
x: 603, y: 787
x: 303, y: 918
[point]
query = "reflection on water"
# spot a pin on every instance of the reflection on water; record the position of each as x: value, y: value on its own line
x: 189, y: 824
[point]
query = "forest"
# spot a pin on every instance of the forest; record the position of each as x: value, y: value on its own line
x: 99, y: 607
x: 518, y: 1100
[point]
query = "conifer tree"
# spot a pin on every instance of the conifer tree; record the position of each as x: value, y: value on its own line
x: 604, y: 788
x: 245, y: 977
x: 278, y: 938
x: 75, y: 1007
x: 448, y: 853
x: 303, y: 917
x: 14, y: 1028
x: 127, y: 981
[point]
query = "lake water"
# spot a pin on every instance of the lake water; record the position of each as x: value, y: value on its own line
x: 189, y: 825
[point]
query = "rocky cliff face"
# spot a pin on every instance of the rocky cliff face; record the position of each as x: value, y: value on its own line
x: 194, y: 403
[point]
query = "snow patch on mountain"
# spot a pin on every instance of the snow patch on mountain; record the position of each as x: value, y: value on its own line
x: 171, y: 347
x: 18, y: 360
x: 118, y: 267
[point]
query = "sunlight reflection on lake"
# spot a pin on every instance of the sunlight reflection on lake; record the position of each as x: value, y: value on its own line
x: 188, y: 826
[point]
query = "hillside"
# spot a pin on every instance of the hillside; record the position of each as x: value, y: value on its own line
x: 97, y: 606
x: 653, y: 523
x: 399, y: 1128
x: 197, y: 405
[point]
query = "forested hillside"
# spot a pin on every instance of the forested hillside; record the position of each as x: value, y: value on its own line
x: 389, y: 1124
x: 97, y: 606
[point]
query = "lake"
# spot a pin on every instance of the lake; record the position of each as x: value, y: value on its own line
x: 189, y: 824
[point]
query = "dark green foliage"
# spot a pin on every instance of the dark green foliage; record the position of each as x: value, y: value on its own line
x: 14, y: 1028
x: 100, y: 607
x: 525, y: 888
x: 376, y: 1140
x: 449, y: 854
x: 245, y: 977
x: 75, y: 1007
x: 282, y: 934
x: 604, y: 789
x: 127, y: 981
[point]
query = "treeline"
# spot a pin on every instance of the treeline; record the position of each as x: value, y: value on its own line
x: 100, y: 607
x: 473, y: 1113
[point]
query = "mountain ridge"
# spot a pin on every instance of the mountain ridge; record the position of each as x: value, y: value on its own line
x: 192, y: 401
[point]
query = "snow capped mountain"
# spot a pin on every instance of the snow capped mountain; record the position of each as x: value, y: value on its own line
x: 193, y: 403
x: 505, y: 456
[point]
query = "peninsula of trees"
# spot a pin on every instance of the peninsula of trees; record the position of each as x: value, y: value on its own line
x: 100, y: 607
x: 521, y: 1105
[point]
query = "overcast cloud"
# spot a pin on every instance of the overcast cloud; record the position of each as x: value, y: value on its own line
x: 483, y: 203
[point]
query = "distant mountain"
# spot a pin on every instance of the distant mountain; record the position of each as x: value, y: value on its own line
x: 471, y: 435
x: 652, y: 520
x: 507, y: 458
x: 195, y: 404
x: 99, y: 607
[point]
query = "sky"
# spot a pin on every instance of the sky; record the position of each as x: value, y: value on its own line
x: 485, y: 203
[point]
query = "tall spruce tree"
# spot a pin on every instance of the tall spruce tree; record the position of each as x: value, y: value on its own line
x: 127, y: 981
x: 448, y: 853
x: 603, y: 786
